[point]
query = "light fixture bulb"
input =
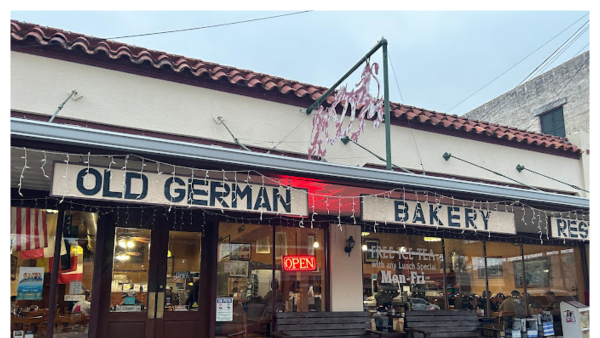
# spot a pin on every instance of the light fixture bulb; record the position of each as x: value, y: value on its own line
x: 315, y: 244
x: 122, y: 244
x: 169, y: 253
x: 130, y: 244
x: 364, y: 247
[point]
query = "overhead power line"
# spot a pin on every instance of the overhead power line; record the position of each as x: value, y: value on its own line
x: 557, y: 52
x: 209, y: 26
x: 516, y: 64
x: 177, y: 30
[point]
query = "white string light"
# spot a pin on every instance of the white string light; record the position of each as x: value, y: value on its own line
x: 43, y: 164
x: 387, y: 195
x: 66, y: 176
x: 340, y: 212
x: 22, y: 176
x: 171, y: 199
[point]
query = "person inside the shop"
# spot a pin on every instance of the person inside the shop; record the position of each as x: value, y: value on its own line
x: 83, y: 305
x: 514, y: 304
x: 553, y: 305
x: 384, y: 298
x: 496, y: 300
x: 13, y: 305
x: 169, y: 296
x: 483, y: 301
x: 472, y: 303
x: 534, y: 307
x: 192, y: 300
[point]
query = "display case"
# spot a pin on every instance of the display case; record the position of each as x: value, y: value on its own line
x: 575, y: 318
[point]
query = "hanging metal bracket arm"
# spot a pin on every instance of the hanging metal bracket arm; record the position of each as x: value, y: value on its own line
x: 448, y: 156
x: 335, y: 85
x: 220, y: 119
x: 346, y: 139
x: 60, y: 106
x: 522, y: 167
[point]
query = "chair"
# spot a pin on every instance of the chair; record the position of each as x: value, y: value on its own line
x: 35, y: 324
x: 43, y: 313
x: 70, y: 323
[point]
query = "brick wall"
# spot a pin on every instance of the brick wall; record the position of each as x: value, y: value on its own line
x: 518, y: 107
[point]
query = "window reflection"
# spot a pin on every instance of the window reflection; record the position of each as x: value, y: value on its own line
x: 33, y: 240
x: 401, y: 273
x: 183, y: 271
x: 131, y: 256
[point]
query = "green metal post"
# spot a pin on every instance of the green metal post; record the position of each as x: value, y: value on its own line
x: 332, y: 88
x: 386, y: 98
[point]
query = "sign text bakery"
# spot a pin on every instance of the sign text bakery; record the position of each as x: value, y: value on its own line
x: 437, y: 215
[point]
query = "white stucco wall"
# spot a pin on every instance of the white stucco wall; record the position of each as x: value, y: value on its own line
x: 346, y: 271
x: 39, y: 85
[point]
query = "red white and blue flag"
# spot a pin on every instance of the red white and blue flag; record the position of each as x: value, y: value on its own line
x: 29, y: 232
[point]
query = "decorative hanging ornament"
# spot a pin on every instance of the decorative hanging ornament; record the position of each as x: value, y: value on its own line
x: 355, y: 99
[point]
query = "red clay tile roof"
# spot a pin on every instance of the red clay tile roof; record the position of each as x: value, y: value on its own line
x: 20, y: 31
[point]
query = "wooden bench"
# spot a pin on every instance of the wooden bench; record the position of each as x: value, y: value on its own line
x: 441, y: 324
x: 322, y: 324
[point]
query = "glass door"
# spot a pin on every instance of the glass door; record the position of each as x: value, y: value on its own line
x: 154, y: 277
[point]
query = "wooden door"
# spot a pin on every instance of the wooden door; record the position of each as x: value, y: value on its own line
x: 137, y: 273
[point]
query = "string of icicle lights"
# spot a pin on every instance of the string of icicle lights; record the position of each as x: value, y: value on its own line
x: 136, y: 163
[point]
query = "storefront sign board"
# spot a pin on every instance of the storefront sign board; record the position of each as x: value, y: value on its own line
x: 567, y: 228
x: 441, y: 216
x: 31, y: 283
x: 224, y: 309
x: 81, y: 181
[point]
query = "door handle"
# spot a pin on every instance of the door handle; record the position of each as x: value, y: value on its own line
x: 151, y: 304
x: 160, y: 305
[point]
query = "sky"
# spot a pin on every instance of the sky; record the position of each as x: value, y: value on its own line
x: 446, y: 61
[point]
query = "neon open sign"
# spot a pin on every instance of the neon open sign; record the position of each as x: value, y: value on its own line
x: 299, y: 263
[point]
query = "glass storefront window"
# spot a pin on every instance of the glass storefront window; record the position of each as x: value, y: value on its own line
x: 465, y: 275
x: 552, y: 274
x: 183, y: 271
x: 302, y: 279
x: 33, y: 240
x: 245, y: 279
x: 401, y: 273
x: 129, y: 284
x: 245, y: 276
x: 506, y: 294
x: 73, y: 297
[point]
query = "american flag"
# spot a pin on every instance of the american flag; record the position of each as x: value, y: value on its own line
x: 28, y: 229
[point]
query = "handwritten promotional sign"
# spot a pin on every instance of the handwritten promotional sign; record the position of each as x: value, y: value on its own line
x: 414, y: 262
x: 79, y: 181
x: 443, y: 216
x: 566, y: 228
x: 299, y: 263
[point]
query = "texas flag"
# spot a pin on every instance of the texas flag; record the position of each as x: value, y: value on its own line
x: 29, y: 232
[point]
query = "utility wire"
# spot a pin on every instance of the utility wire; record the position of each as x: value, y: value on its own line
x: 447, y: 156
x: 564, y: 49
x: 176, y: 30
x: 572, y: 77
x: 506, y: 71
x: 555, y: 52
x: 584, y: 47
x: 296, y: 127
x: 561, y: 52
x: 520, y: 168
x: 409, y: 124
x: 210, y: 26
